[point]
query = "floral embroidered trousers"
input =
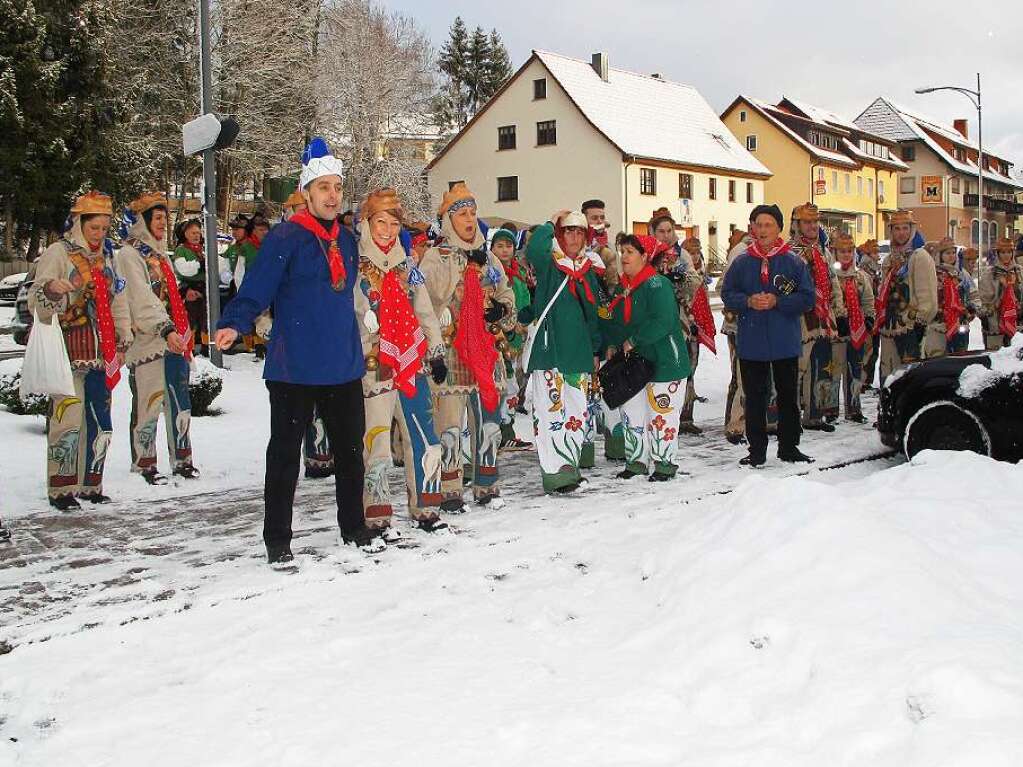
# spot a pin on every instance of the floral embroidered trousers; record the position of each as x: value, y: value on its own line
x: 78, y: 432
x: 158, y: 387
x: 560, y: 403
x: 649, y: 422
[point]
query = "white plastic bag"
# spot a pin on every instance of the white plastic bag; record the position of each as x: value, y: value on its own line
x: 47, y: 369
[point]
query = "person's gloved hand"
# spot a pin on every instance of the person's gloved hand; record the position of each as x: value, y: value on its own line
x: 843, y: 326
x: 478, y: 257
x: 438, y: 370
x: 369, y: 319
x: 495, y: 313
x: 444, y: 318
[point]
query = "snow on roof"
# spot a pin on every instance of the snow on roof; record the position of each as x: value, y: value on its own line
x: 649, y: 117
x: 853, y: 148
x: 822, y: 115
x: 770, y: 111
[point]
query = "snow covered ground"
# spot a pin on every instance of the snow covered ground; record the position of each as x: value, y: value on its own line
x: 791, y: 616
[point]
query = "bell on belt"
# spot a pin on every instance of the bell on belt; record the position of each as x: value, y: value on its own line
x: 371, y: 362
x: 493, y: 329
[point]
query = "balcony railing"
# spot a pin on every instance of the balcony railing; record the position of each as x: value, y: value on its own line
x: 999, y: 204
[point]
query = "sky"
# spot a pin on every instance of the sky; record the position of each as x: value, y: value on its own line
x: 839, y: 56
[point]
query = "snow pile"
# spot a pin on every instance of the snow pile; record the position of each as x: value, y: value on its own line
x: 1004, y: 363
x: 789, y: 623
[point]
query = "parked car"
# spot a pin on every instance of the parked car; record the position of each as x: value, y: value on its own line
x: 926, y: 406
x: 9, y: 287
x: 22, y: 323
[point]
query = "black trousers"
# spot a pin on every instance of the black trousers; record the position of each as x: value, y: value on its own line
x: 755, y: 387
x: 291, y: 412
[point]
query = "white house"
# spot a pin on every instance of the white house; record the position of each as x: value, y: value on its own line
x: 562, y: 130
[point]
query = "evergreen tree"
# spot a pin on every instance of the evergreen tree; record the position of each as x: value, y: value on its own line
x: 475, y: 67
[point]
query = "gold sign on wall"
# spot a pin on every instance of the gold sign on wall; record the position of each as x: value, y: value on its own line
x: 932, y: 190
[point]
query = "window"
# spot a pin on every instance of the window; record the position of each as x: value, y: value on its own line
x: 959, y: 154
x: 506, y: 137
x: 859, y: 186
x: 848, y: 182
x: 859, y: 223
x: 870, y: 188
x: 685, y: 186
x: 954, y: 185
x: 546, y: 133
x: 909, y: 153
x: 870, y: 224
x: 992, y: 229
x: 451, y: 184
x: 823, y: 140
x: 751, y: 142
x: 540, y: 89
x: 647, y: 181
x: 731, y: 190
x: 834, y: 181
x: 742, y: 115
x: 907, y: 185
x: 974, y: 233
x: 712, y: 189
x: 880, y: 190
x: 507, y: 188
x: 749, y: 191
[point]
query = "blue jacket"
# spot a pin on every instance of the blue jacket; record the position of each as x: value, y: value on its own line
x: 774, y: 334
x: 315, y: 337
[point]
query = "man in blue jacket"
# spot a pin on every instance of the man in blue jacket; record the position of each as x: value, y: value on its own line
x: 306, y: 269
x: 769, y: 288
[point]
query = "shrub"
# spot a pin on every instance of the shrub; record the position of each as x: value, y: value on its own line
x: 204, y: 387
x: 10, y: 397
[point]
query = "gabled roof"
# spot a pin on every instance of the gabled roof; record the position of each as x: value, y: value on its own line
x: 774, y: 115
x: 910, y: 126
x: 644, y: 117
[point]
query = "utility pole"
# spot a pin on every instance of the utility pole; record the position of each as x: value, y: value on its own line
x: 209, y: 188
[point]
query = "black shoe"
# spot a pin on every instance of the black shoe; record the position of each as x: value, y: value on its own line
x: 279, y: 555
x: 753, y: 460
x: 736, y: 439
x: 318, y: 472
x: 627, y: 474
x: 700, y: 399
x: 821, y: 426
x: 856, y: 418
x: 153, y: 477
x: 65, y: 503
x: 96, y: 498
x: 659, y: 476
x: 432, y: 525
x: 5, y: 534
x: 187, y: 470
x: 368, y: 539
x: 454, y: 506
x: 260, y: 352
x: 794, y: 456
x: 567, y: 489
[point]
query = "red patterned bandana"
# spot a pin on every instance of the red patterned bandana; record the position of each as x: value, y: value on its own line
x: 704, y: 319
x: 307, y: 221
x: 177, y: 306
x: 821, y: 285
x: 474, y: 344
x: 757, y: 251
x: 629, y: 285
x: 402, y: 341
x: 881, y: 302
x: 857, y: 324
x: 1008, y: 310
x: 577, y: 276
x: 105, y: 319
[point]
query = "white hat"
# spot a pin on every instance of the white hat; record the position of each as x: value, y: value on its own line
x: 575, y: 218
x: 317, y: 161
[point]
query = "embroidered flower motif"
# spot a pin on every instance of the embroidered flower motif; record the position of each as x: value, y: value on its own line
x: 573, y: 424
x: 658, y: 423
x: 669, y: 435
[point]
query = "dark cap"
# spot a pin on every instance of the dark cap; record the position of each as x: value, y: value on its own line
x: 771, y: 210
x: 592, y: 204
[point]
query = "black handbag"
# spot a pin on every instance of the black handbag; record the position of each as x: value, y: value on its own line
x: 623, y: 377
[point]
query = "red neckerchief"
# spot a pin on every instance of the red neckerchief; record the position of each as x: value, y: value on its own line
x: 385, y: 247
x: 857, y: 323
x: 513, y: 269
x: 105, y: 321
x: 755, y: 250
x: 951, y: 305
x: 255, y: 240
x: 821, y: 283
x: 306, y: 220
x: 578, y: 276
x: 1008, y: 310
x: 177, y: 306
x: 629, y: 285
x: 474, y: 344
x: 197, y: 249
x: 704, y: 319
x: 402, y: 342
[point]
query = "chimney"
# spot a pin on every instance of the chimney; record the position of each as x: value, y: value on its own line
x: 962, y: 126
x: 657, y: 76
x: 599, y: 63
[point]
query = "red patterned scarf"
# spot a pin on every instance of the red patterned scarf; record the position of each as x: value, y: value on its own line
x: 857, y: 324
x: 307, y: 221
x: 177, y: 306
x: 881, y: 302
x: 757, y: 251
x: 629, y: 285
x: 577, y: 276
x: 105, y: 321
x: 402, y: 341
x: 474, y: 344
x: 1008, y: 310
x: 821, y: 284
x: 704, y: 319
x: 952, y: 306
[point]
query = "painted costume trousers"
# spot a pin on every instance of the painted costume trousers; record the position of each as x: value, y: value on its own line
x: 815, y: 374
x: 158, y: 387
x: 316, y: 452
x: 847, y: 383
x: 690, y: 395
x: 649, y: 425
x: 559, y: 405
x: 78, y: 432
x: 484, y: 442
x: 421, y: 451
x: 897, y: 351
x: 594, y: 424
x: 735, y: 416
x: 937, y: 344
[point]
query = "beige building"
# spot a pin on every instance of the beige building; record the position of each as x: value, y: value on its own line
x: 563, y: 130
x: 940, y: 186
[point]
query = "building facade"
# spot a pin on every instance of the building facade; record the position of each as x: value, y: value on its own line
x: 940, y: 185
x: 814, y: 155
x: 564, y: 130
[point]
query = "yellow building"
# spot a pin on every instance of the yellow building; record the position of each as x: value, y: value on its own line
x: 814, y: 155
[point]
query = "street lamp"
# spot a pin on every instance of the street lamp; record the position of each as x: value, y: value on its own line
x: 974, y: 97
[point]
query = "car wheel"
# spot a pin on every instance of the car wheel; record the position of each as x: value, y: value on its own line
x: 944, y: 425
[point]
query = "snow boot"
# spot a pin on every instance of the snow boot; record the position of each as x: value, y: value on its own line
x: 754, y: 461
x: 279, y: 554
x: 365, y: 539
x: 454, y: 506
x: 794, y: 456
x: 187, y: 471
x: 432, y: 525
x: 627, y: 474
x: 153, y: 477
x: 65, y: 503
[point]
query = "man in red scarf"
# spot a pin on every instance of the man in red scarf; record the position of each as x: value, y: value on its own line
x: 816, y: 367
x: 1001, y: 296
x: 472, y: 300
x: 853, y: 338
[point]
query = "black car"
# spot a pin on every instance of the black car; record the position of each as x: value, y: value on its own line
x: 921, y: 408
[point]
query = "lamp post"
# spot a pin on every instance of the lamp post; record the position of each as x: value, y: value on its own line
x: 974, y: 97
